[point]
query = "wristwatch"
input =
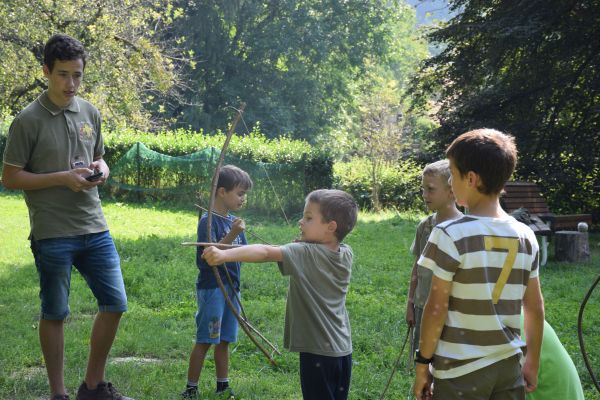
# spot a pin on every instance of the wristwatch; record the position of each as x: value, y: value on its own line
x: 422, y: 360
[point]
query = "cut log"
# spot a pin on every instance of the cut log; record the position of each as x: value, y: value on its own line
x: 571, y: 246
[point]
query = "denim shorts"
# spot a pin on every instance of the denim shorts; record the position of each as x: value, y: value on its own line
x: 95, y: 257
x: 215, y: 323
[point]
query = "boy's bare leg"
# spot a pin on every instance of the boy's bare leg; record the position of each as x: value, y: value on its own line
x: 103, y: 334
x: 222, y: 360
x: 52, y: 341
x: 197, y: 361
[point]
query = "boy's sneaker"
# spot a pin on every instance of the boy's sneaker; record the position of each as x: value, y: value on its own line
x: 226, y: 394
x: 61, y: 397
x: 190, y: 392
x: 104, y: 391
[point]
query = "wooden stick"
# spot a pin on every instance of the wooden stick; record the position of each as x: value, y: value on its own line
x: 241, y: 321
x: 247, y: 231
x: 209, y: 238
x: 262, y: 337
x: 207, y: 244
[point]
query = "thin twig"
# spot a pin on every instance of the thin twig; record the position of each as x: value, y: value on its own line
x: 207, y: 244
x: 275, y: 349
x: 263, y: 166
x: 247, y: 231
x: 395, y: 367
x: 275, y: 193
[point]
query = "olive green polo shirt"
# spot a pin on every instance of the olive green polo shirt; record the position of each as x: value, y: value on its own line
x: 45, y: 138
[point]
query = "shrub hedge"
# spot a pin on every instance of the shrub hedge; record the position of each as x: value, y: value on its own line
x: 400, y: 183
x: 296, y: 167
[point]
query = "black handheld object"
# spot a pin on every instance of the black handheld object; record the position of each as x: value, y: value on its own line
x: 94, y: 177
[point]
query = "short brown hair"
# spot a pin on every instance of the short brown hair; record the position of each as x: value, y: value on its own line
x: 63, y: 48
x: 338, y: 206
x: 489, y: 153
x: 231, y: 176
x: 439, y: 168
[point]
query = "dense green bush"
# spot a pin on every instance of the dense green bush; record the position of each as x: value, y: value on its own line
x: 253, y: 146
x: 284, y: 170
x: 4, y: 125
x: 400, y: 183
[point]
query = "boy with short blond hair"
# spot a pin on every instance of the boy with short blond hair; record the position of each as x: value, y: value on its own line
x: 438, y: 197
x: 319, y: 266
x: 215, y: 322
x: 485, y: 266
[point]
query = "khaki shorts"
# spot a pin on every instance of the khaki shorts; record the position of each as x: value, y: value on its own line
x: 500, y: 381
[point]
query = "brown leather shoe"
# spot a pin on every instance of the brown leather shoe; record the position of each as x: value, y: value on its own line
x: 104, y: 391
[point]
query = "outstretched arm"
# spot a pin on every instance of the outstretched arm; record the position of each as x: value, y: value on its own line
x: 533, y: 315
x: 252, y: 253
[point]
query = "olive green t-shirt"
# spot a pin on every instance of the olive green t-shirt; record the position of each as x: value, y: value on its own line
x: 44, y: 138
x: 316, y: 319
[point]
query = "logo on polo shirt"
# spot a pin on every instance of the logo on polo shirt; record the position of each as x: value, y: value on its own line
x: 86, y: 132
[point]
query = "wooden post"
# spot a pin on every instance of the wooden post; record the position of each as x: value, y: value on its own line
x: 571, y: 246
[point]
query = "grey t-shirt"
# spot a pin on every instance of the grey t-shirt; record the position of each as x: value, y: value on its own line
x: 424, y: 275
x: 316, y: 319
x: 44, y: 138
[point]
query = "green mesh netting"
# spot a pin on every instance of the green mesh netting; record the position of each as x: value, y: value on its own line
x: 146, y: 175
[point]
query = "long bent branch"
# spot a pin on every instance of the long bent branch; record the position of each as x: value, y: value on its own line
x: 215, y: 270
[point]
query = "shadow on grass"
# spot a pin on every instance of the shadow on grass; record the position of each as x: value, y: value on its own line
x: 160, y: 276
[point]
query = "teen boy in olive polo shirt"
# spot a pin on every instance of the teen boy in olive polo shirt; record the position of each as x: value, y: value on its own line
x: 54, y: 144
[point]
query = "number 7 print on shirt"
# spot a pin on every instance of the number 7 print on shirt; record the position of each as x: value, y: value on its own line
x: 502, y: 243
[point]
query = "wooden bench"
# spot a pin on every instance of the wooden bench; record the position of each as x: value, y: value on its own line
x: 543, y: 222
x: 527, y: 195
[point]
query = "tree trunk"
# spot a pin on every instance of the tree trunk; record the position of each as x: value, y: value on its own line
x: 571, y: 246
x: 374, y: 187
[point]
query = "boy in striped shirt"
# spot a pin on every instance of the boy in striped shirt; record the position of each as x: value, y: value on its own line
x: 485, y: 267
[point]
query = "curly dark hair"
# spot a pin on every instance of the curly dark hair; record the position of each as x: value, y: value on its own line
x: 63, y: 48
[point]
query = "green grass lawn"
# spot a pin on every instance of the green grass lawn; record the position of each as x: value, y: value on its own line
x: 149, y: 357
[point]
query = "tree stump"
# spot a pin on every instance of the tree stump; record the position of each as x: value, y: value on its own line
x: 571, y: 246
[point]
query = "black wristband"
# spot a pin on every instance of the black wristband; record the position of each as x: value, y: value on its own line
x: 422, y: 360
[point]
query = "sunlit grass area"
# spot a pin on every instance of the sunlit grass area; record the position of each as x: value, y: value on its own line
x: 149, y: 357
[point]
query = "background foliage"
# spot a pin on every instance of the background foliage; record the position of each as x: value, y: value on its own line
x: 291, y: 61
x: 330, y: 72
x: 130, y: 66
x: 282, y: 167
x: 178, y: 166
x: 530, y: 68
x: 399, y: 183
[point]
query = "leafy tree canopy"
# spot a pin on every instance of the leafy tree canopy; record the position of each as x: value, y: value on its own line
x: 292, y: 61
x: 128, y: 65
x: 530, y: 68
